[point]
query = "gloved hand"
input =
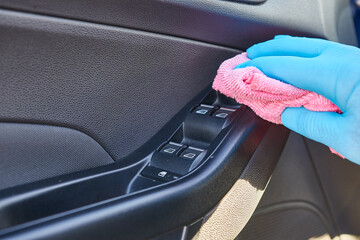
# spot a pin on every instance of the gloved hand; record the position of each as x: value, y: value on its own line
x: 327, y: 68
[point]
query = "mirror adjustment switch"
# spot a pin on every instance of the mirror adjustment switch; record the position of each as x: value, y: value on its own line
x: 223, y: 113
x: 171, y: 148
x: 203, y: 110
x: 159, y: 174
x: 190, y: 153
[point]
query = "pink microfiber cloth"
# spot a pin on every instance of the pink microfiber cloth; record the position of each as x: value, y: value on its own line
x: 267, y: 97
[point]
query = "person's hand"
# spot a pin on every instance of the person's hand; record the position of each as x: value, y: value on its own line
x: 327, y: 68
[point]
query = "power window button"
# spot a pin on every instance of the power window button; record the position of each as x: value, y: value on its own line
x: 203, y: 110
x: 171, y: 148
x: 223, y: 112
x: 190, y: 153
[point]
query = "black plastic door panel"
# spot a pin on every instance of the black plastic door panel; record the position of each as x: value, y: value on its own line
x: 109, y: 127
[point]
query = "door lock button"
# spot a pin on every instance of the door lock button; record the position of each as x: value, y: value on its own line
x: 159, y: 174
x: 171, y: 148
x: 191, y: 153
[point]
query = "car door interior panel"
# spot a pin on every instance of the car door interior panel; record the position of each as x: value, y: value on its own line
x: 168, y: 172
x: 109, y: 127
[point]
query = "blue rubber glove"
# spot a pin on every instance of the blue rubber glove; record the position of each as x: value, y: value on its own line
x: 327, y: 68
